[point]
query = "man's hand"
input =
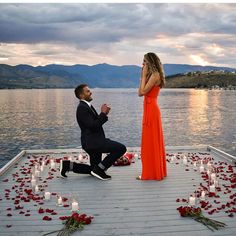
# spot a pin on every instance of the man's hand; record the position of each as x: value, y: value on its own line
x: 105, y: 108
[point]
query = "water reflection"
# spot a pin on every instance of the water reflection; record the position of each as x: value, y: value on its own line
x: 46, y: 118
x: 198, y: 108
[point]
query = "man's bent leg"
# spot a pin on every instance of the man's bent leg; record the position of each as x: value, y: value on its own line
x: 95, y: 157
x: 81, y: 168
x: 115, y: 150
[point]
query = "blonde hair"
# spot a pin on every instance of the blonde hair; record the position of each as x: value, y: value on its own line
x: 155, y: 65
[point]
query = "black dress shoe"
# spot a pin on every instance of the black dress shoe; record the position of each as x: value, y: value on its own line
x: 64, y: 167
x: 100, y: 174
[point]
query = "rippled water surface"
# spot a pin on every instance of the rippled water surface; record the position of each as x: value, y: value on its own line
x: 35, y: 119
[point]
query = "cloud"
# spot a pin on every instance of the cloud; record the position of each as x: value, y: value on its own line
x: 119, y: 33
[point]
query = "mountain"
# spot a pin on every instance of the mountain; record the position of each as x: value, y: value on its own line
x: 100, y: 75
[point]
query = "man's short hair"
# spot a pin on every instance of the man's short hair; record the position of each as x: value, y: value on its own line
x: 79, y: 90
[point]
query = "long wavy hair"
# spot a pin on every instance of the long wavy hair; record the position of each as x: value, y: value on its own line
x: 155, y: 65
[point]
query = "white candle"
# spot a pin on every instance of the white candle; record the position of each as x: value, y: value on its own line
x: 185, y: 160
x: 212, y: 188
x: 52, y: 164
x: 203, y: 194
x: 191, y: 201
x: 37, y: 173
x: 81, y: 158
x: 36, y: 190
x: 201, y: 168
x: 59, y: 201
x: 172, y: 158
x: 33, y: 182
x: 47, y: 195
x: 41, y: 167
x: 213, y: 176
x: 75, y: 206
x: 216, y: 183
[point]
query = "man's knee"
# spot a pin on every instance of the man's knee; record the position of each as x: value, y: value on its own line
x: 122, y: 149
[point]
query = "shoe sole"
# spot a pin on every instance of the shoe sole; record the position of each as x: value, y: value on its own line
x: 99, y: 177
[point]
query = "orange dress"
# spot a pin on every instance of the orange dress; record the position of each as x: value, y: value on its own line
x: 152, y: 146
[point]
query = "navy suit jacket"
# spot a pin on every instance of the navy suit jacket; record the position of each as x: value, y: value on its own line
x: 90, y: 123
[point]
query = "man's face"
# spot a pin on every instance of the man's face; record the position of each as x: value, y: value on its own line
x: 87, y: 94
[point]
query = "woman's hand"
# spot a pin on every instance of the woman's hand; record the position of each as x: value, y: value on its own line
x: 144, y: 71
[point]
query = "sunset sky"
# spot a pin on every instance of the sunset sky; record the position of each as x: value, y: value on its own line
x: 118, y: 34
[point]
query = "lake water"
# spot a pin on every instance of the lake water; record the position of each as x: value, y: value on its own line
x: 45, y: 118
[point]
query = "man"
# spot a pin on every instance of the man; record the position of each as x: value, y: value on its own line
x: 93, y: 138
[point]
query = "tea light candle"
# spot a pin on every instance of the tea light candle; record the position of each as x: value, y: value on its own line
x: 203, y: 194
x: 33, y: 182
x: 47, y: 195
x: 213, y: 176
x: 208, y: 164
x: 75, y: 206
x: 172, y: 159
x: 192, y: 201
x: 216, y: 183
x: 201, y: 168
x: 212, y: 188
x: 208, y: 172
x: 59, y: 201
x: 52, y: 164
x: 37, y: 173
x: 41, y: 167
x: 36, y: 190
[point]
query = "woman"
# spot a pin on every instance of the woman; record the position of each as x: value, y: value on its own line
x: 152, y: 145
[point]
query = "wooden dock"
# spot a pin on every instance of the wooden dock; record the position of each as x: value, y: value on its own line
x: 121, y: 206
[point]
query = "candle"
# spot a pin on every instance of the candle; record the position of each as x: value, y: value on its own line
x: 201, y: 168
x: 172, y: 158
x: 52, y: 164
x: 213, y: 176
x: 37, y: 173
x: 41, y: 167
x: 81, y: 158
x: 36, y: 190
x: 191, y: 201
x: 208, y: 172
x: 47, y: 195
x: 185, y: 160
x: 203, y: 194
x: 212, y: 188
x: 216, y: 183
x: 75, y: 206
x: 33, y: 182
x: 59, y: 201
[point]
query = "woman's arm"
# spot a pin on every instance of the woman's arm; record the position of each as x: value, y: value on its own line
x: 145, y: 87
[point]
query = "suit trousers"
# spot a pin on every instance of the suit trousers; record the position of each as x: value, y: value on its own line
x: 113, y: 149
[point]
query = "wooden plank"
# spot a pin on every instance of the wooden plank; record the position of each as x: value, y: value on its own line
x: 122, y: 206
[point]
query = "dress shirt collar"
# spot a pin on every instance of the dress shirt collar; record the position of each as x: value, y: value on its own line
x: 89, y: 104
